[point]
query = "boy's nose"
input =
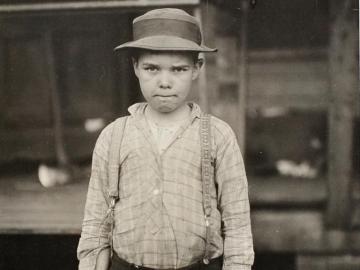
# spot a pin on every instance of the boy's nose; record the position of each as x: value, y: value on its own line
x: 165, y: 80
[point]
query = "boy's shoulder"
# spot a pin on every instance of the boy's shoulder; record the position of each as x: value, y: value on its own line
x: 104, y: 139
x: 108, y: 129
x: 221, y: 129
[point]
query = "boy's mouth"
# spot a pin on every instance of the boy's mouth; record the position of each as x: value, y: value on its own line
x: 164, y: 96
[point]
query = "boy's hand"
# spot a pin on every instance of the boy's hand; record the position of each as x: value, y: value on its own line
x: 103, y: 260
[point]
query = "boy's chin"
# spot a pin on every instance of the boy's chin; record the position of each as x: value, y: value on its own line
x: 165, y: 109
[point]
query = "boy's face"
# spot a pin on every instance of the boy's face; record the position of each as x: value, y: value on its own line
x: 166, y: 78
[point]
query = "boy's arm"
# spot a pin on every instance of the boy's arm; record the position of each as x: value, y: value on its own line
x: 234, y: 204
x: 94, y: 241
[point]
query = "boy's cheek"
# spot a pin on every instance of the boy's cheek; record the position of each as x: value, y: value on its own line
x: 146, y: 77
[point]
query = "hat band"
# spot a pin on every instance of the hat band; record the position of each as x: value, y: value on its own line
x: 166, y: 27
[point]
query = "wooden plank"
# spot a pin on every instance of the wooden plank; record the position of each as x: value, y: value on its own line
x: 27, y: 207
x: 299, y: 231
x: 36, y: 144
x: 342, y: 55
x: 31, y: 27
x: 288, y: 230
x: 284, y: 192
x: 274, y: 83
x: 294, y: 70
x: 271, y: 80
x: 80, y: 5
x: 296, y: 101
x: 257, y: 55
x: 332, y: 262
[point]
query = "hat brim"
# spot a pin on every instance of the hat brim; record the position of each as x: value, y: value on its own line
x: 165, y: 43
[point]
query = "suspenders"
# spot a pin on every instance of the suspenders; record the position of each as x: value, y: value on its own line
x: 207, y: 173
x: 207, y: 177
x: 114, y: 171
x: 114, y: 157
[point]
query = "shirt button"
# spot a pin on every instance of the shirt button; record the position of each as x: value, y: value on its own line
x: 156, y: 191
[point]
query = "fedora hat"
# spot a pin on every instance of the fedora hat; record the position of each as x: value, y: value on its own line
x: 166, y: 29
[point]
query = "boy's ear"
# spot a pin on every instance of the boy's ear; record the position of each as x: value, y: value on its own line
x: 198, y: 65
x: 135, y: 65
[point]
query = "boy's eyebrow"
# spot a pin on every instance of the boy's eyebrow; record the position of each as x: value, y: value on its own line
x: 149, y: 64
x: 180, y: 65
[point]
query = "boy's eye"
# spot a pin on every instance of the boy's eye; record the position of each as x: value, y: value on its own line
x: 180, y: 69
x: 151, y: 69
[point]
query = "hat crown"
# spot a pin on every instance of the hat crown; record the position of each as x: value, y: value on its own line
x: 167, y: 13
x: 167, y: 22
x: 166, y: 29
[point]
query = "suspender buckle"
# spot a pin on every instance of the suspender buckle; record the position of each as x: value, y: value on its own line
x: 207, y: 221
x: 112, y: 203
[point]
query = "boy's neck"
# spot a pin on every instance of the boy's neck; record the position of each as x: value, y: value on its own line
x: 168, y: 119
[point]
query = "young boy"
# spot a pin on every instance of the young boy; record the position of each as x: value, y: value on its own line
x: 160, y: 221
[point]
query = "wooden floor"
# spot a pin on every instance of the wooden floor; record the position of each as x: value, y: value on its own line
x: 287, y: 215
x: 27, y: 207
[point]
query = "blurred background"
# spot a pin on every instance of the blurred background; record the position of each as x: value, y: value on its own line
x: 286, y: 78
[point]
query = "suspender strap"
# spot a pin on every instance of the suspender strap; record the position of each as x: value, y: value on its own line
x: 114, y: 171
x: 207, y: 177
x: 114, y: 157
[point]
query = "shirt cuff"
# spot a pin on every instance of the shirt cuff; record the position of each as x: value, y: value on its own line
x: 237, y: 267
x: 88, y: 263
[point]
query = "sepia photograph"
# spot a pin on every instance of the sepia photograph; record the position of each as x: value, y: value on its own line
x: 179, y: 135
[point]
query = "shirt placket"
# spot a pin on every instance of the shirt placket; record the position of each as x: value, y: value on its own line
x: 158, y: 215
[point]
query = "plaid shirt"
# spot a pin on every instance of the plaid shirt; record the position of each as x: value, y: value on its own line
x: 159, y: 219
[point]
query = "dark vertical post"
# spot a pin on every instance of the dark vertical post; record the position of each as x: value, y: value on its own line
x: 243, y: 74
x: 203, y: 91
x: 61, y: 155
x: 123, y: 91
x: 2, y: 73
x: 342, y: 61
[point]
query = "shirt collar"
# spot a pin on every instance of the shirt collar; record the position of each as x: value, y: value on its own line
x: 138, y: 109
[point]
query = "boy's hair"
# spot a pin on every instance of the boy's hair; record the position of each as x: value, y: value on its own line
x: 135, y: 53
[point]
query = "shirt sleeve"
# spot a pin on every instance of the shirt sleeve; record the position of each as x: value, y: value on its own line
x: 95, y: 229
x: 234, y: 203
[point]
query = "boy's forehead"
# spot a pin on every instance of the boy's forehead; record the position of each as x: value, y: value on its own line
x: 171, y: 56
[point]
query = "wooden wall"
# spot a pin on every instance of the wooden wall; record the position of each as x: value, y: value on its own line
x: 293, y: 66
x: 72, y: 53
